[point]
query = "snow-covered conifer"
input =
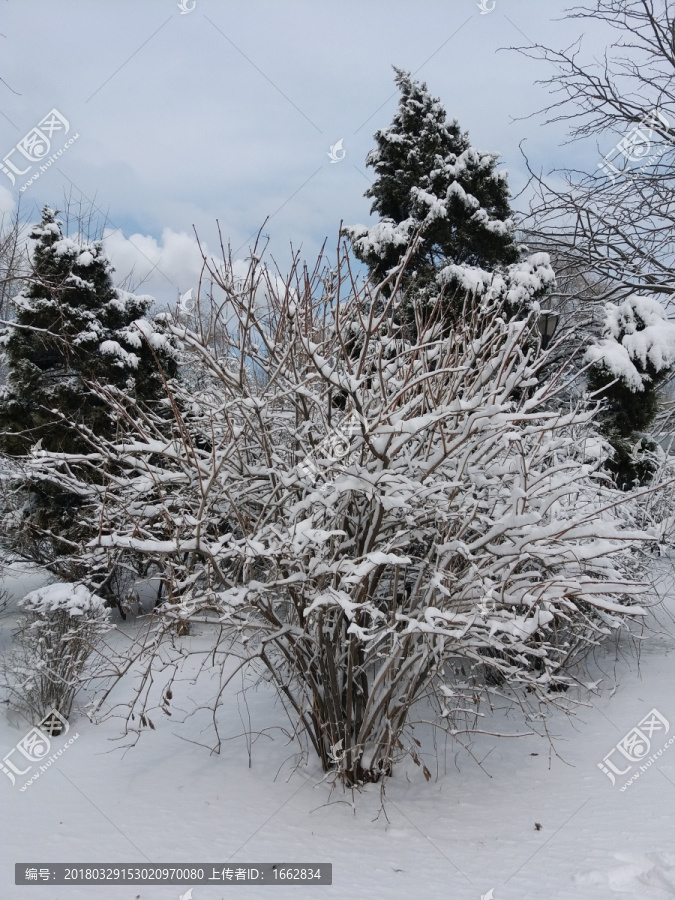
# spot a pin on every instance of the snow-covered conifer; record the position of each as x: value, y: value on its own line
x: 633, y: 357
x: 73, y: 329
x: 73, y: 326
x: 433, y: 186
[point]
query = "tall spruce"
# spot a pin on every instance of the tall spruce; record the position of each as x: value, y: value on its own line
x: 429, y: 179
x: 72, y: 329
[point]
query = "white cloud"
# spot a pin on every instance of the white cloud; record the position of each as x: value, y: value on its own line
x: 168, y: 267
x: 162, y: 268
x: 6, y: 201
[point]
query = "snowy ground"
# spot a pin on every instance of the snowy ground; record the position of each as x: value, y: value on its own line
x: 469, y: 830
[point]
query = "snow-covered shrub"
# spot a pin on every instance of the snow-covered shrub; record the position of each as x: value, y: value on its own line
x: 466, y: 537
x: 652, y: 508
x: 60, y: 629
x: 631, y: 360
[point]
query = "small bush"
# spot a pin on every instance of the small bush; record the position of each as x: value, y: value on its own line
x: 60, y: 629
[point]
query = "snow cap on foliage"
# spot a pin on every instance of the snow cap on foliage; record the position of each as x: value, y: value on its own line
x: 520, y: 284
x: 637, y: 337
x: 74, y: 599
x: 373, y: 240
x: 49, y: 225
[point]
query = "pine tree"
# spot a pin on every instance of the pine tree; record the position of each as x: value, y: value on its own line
x: 72, y: 329
x: 633, y: 359
x: 433, y: 188
x: 429, y: 179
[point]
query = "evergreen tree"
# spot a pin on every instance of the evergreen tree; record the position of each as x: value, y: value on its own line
x: 433, y: 186
x: 633, y: 359
x: 73, y: 328
x: 429, y: 178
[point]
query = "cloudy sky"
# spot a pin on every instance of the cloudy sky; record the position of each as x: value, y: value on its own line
x: 226, y: 113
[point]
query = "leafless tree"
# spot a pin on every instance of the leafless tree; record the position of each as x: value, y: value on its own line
x: 612, y: 222
x: 13, y: 261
